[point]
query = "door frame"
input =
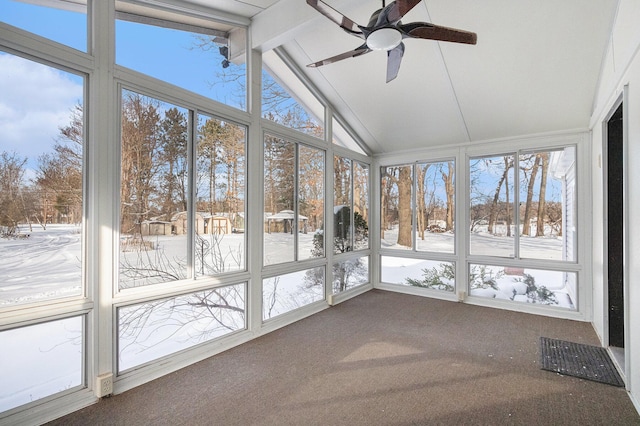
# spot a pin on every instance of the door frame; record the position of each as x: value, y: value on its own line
x: 623, y: 99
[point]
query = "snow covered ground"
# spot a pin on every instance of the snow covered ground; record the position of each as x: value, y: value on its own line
x: 44, y: 265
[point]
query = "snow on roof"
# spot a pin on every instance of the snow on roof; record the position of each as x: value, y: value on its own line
x: 285, y: 214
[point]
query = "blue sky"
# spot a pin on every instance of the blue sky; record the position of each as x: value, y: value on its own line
x: 35, y: 99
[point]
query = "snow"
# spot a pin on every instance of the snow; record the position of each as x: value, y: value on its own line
x: 45, y: 265
x: 50, y: 352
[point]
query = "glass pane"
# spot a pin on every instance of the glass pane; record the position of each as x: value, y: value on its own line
x: 361, y: 205
x: 547, y: 205
x: 310, y: 202
x: 279, y: 220
x: 396, y: 202
x: 41, y: 155
x: 61, y: 21
x: 151, y: 330
x: 433, y: 274
x: 436, y: 206
x: 287, y: 292
x: 287, y: 101
x: 153, y: 192
x: 557, y: 288
x: 342, y: 138
x: 43, y: 359
x: 342, y: 238
x: 206, y: 62
x: 350, y: 274
x: 220, y: 189
x: 492, y: 201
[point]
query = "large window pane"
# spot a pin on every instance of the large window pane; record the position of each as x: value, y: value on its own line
x: 41, y: 360
x: 432, y: 274
x: 342, y: 199
x: 491, y: 209
x: 153, y: 193
x: 342, y: 138
x: 361, y: 205
x: 279, y: 215
x: 350, y: 273
x: 202, y: 60
x: 61, y: 21
x: 151, y: 330
x: 547, y: 204
x: 396, y: 204
x: 310, y: 202
x: 526, y: 285
x: 287, y: 292
x: 220, y: 194
x: 435, y: 206
x: 287, y: 101
x: 41, y: 196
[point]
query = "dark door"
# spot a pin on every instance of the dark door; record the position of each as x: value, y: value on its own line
x: 615, y: 228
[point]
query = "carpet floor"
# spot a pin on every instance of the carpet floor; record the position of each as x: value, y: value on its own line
x: 381, y: 358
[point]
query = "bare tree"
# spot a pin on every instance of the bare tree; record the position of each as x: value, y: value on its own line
x: 12, y: 170
x: 448, y: 179
x: 543, y: 194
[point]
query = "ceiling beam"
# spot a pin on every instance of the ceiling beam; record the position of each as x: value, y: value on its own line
x: 279, y: 23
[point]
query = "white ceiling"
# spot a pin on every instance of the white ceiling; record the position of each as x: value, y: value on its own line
x: 534, y: 69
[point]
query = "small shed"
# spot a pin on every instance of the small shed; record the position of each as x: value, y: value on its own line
x: 283, y: 222
x: 155, y: 227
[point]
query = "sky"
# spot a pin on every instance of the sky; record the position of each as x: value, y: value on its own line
x: 36, y: 100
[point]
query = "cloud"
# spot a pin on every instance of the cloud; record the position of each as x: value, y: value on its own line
x: 35, y: 100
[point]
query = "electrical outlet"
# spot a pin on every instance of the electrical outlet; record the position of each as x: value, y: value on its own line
x: 104, y: 385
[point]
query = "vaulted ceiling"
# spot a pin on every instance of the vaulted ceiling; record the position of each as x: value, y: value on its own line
x: 534, y: 70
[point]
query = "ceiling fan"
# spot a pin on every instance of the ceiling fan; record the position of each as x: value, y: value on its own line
x: 386, y: 32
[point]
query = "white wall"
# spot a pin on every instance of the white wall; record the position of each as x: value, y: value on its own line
x: 620, y: 75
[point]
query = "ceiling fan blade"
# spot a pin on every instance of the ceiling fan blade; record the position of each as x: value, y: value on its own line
x: 429, y: 31
x: 394, y: 58
x: 346, y: 55
x: 345, y: 23
x: 399, y: 8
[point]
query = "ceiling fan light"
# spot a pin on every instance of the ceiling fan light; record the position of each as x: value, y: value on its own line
x: 384, y: 39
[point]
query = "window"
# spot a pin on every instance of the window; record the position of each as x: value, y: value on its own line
x: 342, y: 138
x: 61, y: 21
x: 293, y: 186
x: 492, y: 201
x: 396, y: 217
x: 153, y: 192
x: 287, y: 292
x: 44, y: 359
x: 435, y: 206
x: 525, y: 285
x: 150, y: 330
x: 350, y: 222
x: 158, y: 217
x: 432, y: 227
x: 543, y: 225
x: 421, y: 273
x: 291, y: 105
x: 220, y: 188
x: 350, y: 273
x: 350, y: 205
x: 41, y: 181
x: 532, y: 217
x: 208, y: 60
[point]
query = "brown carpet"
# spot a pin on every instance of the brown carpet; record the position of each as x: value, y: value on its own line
x: 381, y: 358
